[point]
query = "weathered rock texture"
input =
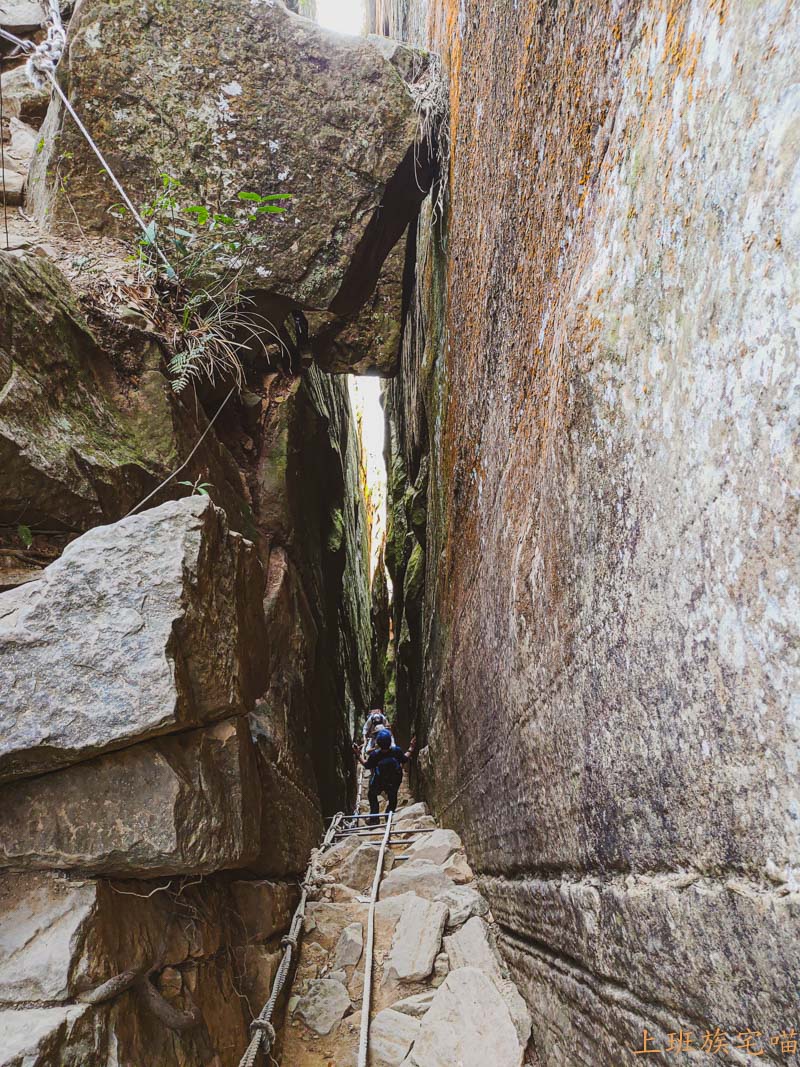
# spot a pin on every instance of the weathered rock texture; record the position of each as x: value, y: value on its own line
x: 183, y: 804
x: 301, y: 110
x: 181, y: 686
x: 310, y: 515
x: 63, y: 940
x: 325, y: 118
x: 602, y: 372
x: 426, y: 1009
x: 88, y: 423
x: 152, y: 624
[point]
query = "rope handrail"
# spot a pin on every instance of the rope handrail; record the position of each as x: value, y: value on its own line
x: 363, y: 1040
x: 261, y: 1028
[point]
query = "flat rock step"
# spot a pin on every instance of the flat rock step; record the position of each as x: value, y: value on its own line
x: 440, y: 993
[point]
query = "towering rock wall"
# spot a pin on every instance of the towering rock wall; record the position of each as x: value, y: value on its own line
x: 601, y: 372
x: 180, y: 685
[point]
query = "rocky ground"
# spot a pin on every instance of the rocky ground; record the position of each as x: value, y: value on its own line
x: 441, y: 993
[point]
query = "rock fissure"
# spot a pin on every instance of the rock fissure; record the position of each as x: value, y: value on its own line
x: 565, y: 240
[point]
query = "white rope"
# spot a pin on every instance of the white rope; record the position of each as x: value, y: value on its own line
x: 261, y: 1027
x: 178, y: 470
x: 171, y: 273
x: 367, y: 995
x: 41, y: 69
x: 26, y: 46
x: 43, y: 59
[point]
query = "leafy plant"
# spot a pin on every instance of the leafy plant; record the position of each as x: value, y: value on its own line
x: 208, y: 248
x: 25, y: 535
x: 198, y: 488
x: 199, y: 240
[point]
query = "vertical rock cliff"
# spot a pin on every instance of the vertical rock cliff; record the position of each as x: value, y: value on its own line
x: 599, y: 385
x: 185, y: 626
x: 569, y: 236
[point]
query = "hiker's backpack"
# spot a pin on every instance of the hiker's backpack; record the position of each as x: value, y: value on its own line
x: 388, y: 772
x: 376, y: 720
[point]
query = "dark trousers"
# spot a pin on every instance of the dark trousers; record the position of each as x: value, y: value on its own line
x: 374, y: 792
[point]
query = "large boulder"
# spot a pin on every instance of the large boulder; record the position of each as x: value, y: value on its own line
x: 263, y: 909
x: 437, y: 847
x: 358, y: 870
x: 417, y: 940
x: 266, y: 102
x: 416, y: 876
x: 41, y: 924
x: 391, y: 1035
x: 62, y: 937
x: 65, y: 445
x: 366, y: 341
x: 463, y: 901
x: 21, y: 16
x: 323, y: 1005
x: 177, y: 805
x: 149, y: 625
x: 64, y: 940
x: 87, y: 431
x: 21, y: 100
x: 470, y: 947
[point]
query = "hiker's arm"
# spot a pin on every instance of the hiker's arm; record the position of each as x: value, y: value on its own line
x: 357, y: 754
x: 412, y: 748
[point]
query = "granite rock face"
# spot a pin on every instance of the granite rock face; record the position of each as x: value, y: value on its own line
x: 21, y: 100
x: 79, y: 444
x: 417, y: 940
x: 43, y: 917
x: 309, y: 513
x: 422, y: 877
x: 182, y: 804
x: 323, y: 1005
x: 300, y: 110
x: 467, y: 1016
x: 602, y: 376
x: 180, y: 699
x: 366, y: 341
x: 64, y: 942
x: 64, y: 446
x: 149, y: 625
x: 39, y: 1037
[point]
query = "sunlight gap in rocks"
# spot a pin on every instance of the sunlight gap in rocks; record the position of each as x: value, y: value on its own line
x: 365, y: 397
x: 344, y: 16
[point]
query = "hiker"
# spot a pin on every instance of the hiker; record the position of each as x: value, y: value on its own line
x: 386, y: 763
x: 376, y: 720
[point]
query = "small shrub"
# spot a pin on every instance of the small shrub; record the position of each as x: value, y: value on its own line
x: 208, y: 250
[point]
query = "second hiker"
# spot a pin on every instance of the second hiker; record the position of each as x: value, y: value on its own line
x: 376, y: 720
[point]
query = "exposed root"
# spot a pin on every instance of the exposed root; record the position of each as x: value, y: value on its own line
x: 431, y: 94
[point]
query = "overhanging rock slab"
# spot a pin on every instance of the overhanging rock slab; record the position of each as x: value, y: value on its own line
x: 266, y: 102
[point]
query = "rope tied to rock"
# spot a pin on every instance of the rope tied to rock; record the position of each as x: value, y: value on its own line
x: 266, y: 1028
x: 44, y: 58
